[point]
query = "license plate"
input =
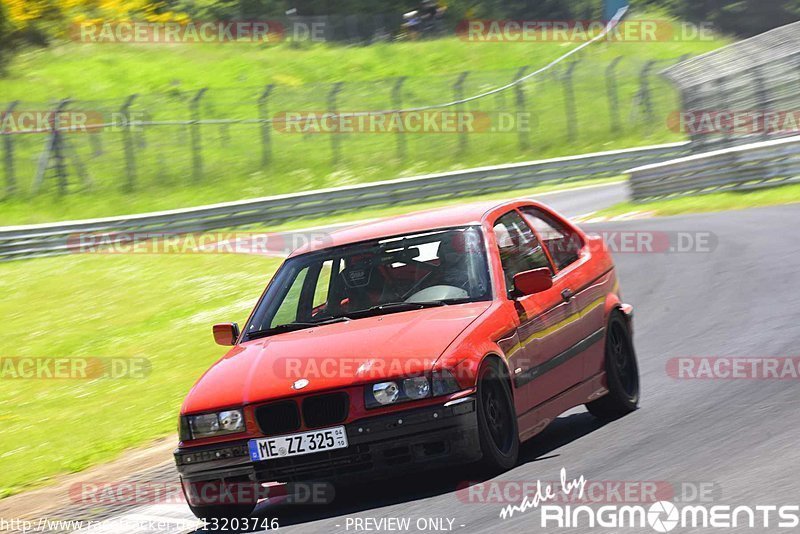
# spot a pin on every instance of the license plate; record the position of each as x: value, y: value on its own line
x: 298, y: 444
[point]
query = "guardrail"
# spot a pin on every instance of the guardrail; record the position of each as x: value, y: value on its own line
x: 50, y: 239
x: 756, y: 165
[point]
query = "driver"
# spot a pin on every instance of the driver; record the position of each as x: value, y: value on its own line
x: 453, y: 267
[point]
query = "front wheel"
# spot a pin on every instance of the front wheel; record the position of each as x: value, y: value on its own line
x: 622, y: 373
x: 497, y: 420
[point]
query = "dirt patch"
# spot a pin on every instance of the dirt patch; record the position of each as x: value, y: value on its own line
x: 43, y: 501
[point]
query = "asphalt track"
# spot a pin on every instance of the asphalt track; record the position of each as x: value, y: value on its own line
x: 736, y: 438
x: 572, y: 203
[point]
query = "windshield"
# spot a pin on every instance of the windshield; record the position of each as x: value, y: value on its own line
x: 354, y: 281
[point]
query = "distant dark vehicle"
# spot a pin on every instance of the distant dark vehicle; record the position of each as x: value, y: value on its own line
x: 425, y: 21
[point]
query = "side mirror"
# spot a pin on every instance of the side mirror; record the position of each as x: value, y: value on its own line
x: 533, y: 281
x: 226, y: 333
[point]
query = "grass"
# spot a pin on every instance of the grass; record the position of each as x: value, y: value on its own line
x: 157, y: 307
x: 166, y: 78
x: 729, y: 200
x: 117, y: 70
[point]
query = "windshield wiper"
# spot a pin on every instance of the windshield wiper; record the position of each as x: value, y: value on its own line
x: 456, y: 300
x: 390, y: 307
x: 291, y: 327
x: 387, y: 307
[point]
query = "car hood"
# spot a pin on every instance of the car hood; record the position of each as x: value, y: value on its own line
x: 331, y: 356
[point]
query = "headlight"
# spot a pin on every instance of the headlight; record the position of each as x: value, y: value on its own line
x: 386, y: 392
x: 215, y: 424
x: 417, y: 387
x: 231, y: 420
x: 408, y: 389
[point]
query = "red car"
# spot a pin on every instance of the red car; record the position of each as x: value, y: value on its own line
x: 446, y: 336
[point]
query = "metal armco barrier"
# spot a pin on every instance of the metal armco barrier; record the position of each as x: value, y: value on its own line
x: 756, y: 165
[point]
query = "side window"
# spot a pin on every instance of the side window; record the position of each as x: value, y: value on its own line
x: 289, y: 308
x: 519, y: 249
x: 563, y: 244
x: 307, y: 297
x: 323, y: 286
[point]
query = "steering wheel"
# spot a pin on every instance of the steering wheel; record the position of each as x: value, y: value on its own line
x: 439, y: 292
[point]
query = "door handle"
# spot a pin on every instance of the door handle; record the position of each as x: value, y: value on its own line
x: 567, y: 295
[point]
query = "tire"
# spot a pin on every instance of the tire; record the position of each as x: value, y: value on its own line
x: 497, y: 420
x: 622, y: 373
x: 222, y: 511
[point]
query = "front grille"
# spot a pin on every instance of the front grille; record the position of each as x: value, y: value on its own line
x: 278, y: 418
x: 327, y: 409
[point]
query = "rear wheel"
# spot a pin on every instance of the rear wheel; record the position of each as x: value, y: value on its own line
x: 497, y: 420
x: 622, y: 373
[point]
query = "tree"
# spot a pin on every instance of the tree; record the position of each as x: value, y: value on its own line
x: 5, y: 37
x: 743, y: 18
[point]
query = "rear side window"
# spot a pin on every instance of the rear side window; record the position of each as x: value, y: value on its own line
x: 519, y: 249
x: 561, y: 242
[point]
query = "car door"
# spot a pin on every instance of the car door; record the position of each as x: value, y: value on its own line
x: 577, y: 275
x: 546, y: 325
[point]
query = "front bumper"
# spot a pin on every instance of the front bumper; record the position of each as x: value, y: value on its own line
x: 378, y: 446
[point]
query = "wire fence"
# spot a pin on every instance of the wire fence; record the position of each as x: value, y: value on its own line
x: 157, y: 141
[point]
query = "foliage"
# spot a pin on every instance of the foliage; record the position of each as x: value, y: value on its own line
x: 743, y: 18
x: 40, y: 21
x: 5, y: 37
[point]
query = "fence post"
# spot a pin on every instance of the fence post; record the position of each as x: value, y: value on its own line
x: 127, y: 141
x: 458, y: 93
x: 332, y: 107
x: 519, y: 92
x: 613, y: 97
x: 397, y: 104
x: 645, y: 99
x: 266, y: 147
x: 53, y: 149
x: 569, y: 103
x: 58, y: 151
x: 196, y: 139
x: 8, y: 149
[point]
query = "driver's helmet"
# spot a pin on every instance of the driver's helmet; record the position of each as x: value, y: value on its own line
x: 456, y: 255
x: 452, y: 249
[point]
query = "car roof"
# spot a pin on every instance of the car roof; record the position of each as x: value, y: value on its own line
x: 410, y: 223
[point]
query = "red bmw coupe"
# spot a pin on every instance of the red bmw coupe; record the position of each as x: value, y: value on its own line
x: 445, y: 336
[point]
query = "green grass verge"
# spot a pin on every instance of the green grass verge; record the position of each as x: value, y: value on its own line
x: 729, y: 200
x: 157, y: 307
x: 117, y: 70
x: 166, y: 78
